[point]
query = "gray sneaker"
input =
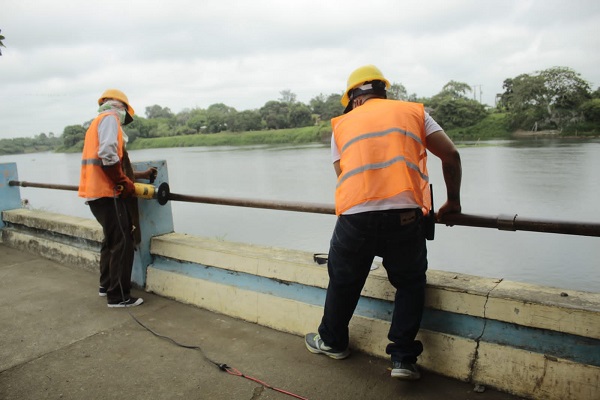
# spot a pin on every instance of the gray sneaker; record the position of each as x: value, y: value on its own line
x: 404, y: 370
x: 315, y: 345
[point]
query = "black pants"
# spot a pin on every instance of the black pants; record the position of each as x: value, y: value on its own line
x: 116, y: 254
x: 396, y: 236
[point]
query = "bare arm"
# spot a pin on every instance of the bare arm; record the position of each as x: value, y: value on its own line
x: 440, y: 145
x: 337, y: 168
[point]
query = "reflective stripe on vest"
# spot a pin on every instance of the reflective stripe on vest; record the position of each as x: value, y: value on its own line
x: 382, y: 153
x: 93, y: 182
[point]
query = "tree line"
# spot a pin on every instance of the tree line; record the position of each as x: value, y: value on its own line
x: 557, y: 98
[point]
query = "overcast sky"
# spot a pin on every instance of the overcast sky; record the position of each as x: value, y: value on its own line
x: 61, y: 55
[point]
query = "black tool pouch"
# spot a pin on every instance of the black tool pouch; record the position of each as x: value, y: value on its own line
x: 429, y: 219
x: 429, y: 225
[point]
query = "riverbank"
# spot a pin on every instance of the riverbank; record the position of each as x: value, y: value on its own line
x: 308, y: 134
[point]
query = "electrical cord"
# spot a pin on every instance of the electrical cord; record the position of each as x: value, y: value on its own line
x: 221, y: 366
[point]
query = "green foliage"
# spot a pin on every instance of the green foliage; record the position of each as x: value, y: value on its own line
x: 397, y: 91
x: 493, y: 126
x: 40, y: 143
x: 1, y: 39
x: 157, y: 111
x: 197, y: 120
x: 275, y: 115
x: 219, y: 117
x: 72, y: 135
x: 452, y: 109
x: 591, y: 110
x: 300, y: 115
x: 326, y: 107
x: 455, y: 90
x: 248, y: 120
x: 549, y: 99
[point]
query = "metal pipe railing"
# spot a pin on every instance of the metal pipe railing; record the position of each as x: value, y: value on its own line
x: 501, y: 222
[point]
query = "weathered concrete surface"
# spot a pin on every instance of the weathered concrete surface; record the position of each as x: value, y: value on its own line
x: 58, y: 340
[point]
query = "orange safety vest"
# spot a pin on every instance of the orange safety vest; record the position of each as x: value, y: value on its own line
x: 383, y: 153
x: 93, y: 182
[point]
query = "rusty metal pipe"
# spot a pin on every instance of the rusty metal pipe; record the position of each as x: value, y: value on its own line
x: 272, y: 205
x: 516, y: 223
x: 501, y: 222
x: 43, y: 185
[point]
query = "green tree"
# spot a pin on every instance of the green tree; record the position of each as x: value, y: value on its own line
x: 197, y: 120
x: 275, y: 115
x: 219, y: 117
x: 326, y: 107
x: 248, y: 120
x: 451, y: 107
x: 549, y: 99
x: 1, y: 39
x: 397, y: 91
x: 157, y: 111
x: 73, y: 136
x: 145, y: 128
x: 300, y: 115
x: 591, y: 110
x: 287, y: 97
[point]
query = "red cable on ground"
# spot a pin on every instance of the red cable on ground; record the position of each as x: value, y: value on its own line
x: 233, y: 371
x: 222, y: 367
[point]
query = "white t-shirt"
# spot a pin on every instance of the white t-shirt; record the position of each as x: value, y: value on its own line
x: 402, y: 200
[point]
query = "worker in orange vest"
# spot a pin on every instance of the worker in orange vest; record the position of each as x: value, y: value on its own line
x: 107, y: 184
x: 382, y: 200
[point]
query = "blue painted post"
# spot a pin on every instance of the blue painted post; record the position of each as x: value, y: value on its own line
x: 154, y: 220
x: 10, y: 196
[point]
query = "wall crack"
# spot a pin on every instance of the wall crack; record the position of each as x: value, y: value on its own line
x: 475, y: 359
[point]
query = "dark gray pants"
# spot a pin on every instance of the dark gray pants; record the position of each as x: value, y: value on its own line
x: 116, y: 254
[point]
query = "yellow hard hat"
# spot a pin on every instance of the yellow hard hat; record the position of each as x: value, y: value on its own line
x: 361, y: 75
x: 117, y: 95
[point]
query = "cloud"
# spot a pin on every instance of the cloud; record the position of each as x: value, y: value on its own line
x: 61, y: 55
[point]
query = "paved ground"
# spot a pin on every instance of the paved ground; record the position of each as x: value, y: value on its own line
x: 59, y: 340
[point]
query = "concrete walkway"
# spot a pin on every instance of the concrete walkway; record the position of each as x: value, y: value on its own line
x: 59, y: 340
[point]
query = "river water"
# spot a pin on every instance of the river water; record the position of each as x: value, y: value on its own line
x: 545, y: 179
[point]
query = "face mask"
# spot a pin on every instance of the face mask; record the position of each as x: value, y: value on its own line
x: 114, y: 106
x: 121, y: 114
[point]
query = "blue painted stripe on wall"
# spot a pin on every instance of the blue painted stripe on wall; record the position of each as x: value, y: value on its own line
x: 570, y: 347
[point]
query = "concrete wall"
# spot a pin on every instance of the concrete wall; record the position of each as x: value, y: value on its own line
x: 532, y: 341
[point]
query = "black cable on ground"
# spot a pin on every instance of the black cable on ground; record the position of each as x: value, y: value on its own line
x: 221, y: 366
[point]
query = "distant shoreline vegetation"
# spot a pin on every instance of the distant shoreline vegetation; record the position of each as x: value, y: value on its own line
x: 556, y: 102
x: 493, y: 127
x: 304, y: 135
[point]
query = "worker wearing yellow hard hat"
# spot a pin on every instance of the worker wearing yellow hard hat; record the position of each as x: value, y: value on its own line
x: 116, y: 94
x: 383, y: 202
x: 360, y: 77
x: 107, y: 184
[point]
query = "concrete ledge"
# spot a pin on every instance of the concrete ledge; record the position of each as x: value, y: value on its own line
x: 75, y: 227
x: 518, y: 303
x: 47, y: 248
